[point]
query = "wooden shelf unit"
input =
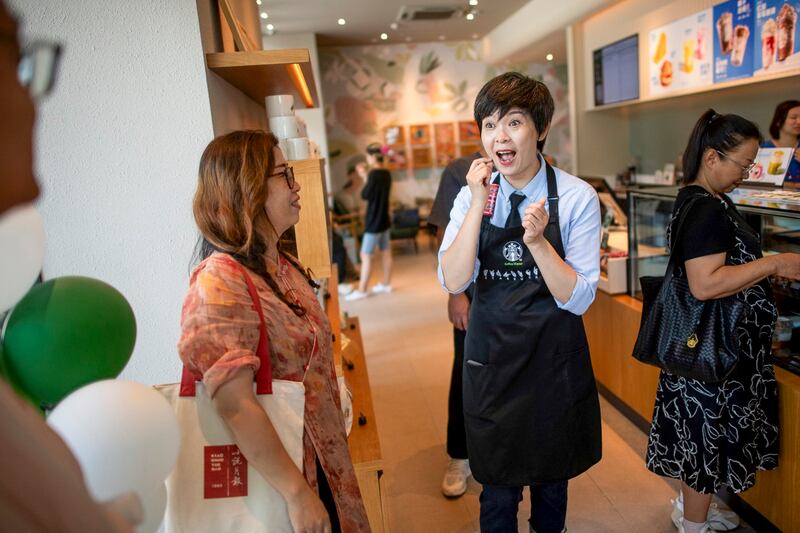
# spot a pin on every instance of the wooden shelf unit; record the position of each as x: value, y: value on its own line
x: 365, y: 446
x: 788, y: 73
x: 261, y: 73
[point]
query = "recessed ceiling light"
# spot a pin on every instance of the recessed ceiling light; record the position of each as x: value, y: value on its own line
x: 264, y: 16
x: 270, y: 27
x: 384, y: 36
x: 473, y: 2
x: 258, y: 2
x: 470, y: 16
x: 441, y: 37
x: 341, y: 22
x: 393, y: 25
x: 549, y: 57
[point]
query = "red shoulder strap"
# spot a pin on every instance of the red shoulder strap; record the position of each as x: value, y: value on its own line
x: 264, y: 374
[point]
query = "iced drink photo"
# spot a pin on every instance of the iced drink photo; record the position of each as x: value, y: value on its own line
x: 787, y: 22
x: 725, y: 32
x: 768, y: 32
x: 740, y: 35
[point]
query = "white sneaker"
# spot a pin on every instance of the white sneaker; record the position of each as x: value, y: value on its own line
x: 705, y: 529
x: 455, y: 478
x: 381, y: 288
x: 345, y: 289
x: 718, y: 519
x: 356, y: 295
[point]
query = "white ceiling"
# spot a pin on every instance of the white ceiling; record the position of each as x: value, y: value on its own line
x: 367, y: 19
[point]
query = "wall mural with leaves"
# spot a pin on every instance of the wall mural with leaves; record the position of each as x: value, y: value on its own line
x: 371, y: 88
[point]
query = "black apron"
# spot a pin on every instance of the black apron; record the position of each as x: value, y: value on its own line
x: 530, y: 400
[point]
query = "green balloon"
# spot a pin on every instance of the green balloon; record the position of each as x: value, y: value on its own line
x: 20, y: 392
x: 66, y: 333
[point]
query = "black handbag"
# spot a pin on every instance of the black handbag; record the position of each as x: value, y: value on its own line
x: 683, y: 335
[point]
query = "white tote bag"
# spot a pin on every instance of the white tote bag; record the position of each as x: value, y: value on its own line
x: 213, y: 488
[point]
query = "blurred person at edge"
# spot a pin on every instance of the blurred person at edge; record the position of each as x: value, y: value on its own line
x: 246, y: 199
x: 377, y: 224
x: 41, y: 487
x: 784, y: 131
x: 709, y: 435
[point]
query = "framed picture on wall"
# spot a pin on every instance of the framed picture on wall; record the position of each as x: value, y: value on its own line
x: 445, y: 136
x: 397, y: 159
x: 394, y: 135
x: 421, y: 157
x: 465, y: 149
x: 420, y: 134
x: 468, y: 131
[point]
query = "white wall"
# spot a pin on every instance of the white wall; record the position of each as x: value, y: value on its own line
x: 117, y: 149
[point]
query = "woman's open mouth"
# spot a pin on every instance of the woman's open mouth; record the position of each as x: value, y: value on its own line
x: 505, y: 157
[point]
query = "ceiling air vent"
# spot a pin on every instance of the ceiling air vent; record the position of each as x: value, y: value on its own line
x: 416, y: 13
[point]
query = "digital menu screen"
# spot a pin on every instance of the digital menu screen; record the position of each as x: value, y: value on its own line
x: 616, y: 72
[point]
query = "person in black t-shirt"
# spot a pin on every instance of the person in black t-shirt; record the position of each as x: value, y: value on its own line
x: 712, y: 434
x: 454, y: 483
x: 376, y: 224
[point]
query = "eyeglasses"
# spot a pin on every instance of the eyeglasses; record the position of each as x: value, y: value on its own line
x: 745, y: 168
x: 37, y: 67
x: 288, y: 175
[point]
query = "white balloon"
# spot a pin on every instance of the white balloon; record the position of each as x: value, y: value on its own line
x: 124, y: 435
x: 154, y: 503
x: 22, y: 241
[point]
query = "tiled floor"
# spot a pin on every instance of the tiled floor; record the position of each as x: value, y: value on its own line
x: 408, y: 345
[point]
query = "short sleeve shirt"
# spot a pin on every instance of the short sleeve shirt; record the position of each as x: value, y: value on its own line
x: 707, y: 229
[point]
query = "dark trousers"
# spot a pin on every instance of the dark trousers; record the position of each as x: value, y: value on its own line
x: 499, y: 506
x: 326, y: 496
x: 339, y: 255
x: 456, y: 435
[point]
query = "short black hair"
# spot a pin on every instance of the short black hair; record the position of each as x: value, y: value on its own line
x: 513, y: 89
x: 716, y: 132
x: 781, y: 112
x: 375, y: 149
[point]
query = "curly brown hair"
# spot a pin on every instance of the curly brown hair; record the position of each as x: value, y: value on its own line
x: 229, y: 204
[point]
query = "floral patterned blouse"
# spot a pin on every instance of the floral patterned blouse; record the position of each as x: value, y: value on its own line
x: 220, y: 331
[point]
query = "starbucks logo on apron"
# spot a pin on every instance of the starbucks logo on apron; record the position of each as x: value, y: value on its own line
x: 512, y: 251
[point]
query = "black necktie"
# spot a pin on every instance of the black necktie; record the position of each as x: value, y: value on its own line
x: 514, y: 220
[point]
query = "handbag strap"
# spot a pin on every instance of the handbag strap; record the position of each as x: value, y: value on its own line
x: 264, y: 374
x: 684, y: 211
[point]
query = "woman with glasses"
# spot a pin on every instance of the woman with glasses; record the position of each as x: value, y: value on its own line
x: 246, y: 199
x: 709, y: 435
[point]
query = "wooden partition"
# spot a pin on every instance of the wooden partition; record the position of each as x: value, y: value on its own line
x: 312, y: 231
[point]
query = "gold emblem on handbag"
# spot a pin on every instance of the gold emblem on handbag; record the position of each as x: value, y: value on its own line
x: 692, y: 341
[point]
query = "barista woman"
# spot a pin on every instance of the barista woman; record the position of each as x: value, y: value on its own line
x: 528, y: 236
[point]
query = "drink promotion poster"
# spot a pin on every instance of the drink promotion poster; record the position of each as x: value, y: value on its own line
x: 733, y: 40
x: 771, y: 165
x: 681, y: 54
x: 776, y: 35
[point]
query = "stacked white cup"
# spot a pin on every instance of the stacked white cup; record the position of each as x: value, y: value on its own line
x: 288, y: 128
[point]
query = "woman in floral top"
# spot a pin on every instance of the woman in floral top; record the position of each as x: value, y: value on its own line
x: 246, y: 198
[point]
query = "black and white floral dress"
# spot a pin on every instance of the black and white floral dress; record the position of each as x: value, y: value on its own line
x: 714, y: 434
